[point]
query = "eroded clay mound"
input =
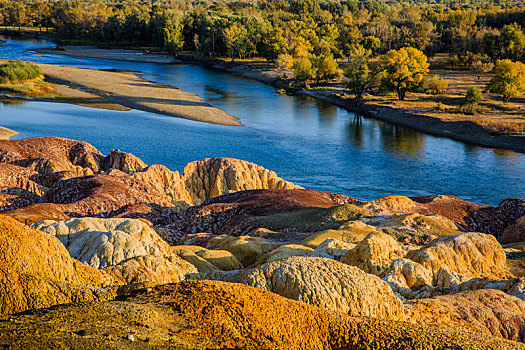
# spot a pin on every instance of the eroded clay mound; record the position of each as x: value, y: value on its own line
x: 217, y: 315
x: 488, y: 311
x: 36, y: 271
x: 325, y: 283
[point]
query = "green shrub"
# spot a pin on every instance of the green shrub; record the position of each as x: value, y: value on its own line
x: 473, y: 96
x: 15, y: 71
x: 437, y: 85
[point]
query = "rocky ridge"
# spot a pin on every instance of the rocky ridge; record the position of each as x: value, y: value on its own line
x: 127, y: 238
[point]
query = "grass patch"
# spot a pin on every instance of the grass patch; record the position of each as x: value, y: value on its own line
x: 314, y: 219
x: 25, y: 78
x: 31, y: 88
x: 17, y: 71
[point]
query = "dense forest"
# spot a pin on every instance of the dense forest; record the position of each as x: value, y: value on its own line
x: 309, y: 37
x: 268, y: 28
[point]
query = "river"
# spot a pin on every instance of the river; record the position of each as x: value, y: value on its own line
x: 306, y: 141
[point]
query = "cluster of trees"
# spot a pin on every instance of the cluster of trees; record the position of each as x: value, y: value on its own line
x: 487, y: 28
x: 307, y: 37
x: 400, y: 70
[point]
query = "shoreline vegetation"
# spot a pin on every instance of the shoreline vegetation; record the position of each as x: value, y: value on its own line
x: 465, y: 129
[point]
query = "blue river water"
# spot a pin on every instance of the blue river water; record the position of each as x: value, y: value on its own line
x: 306, y: 141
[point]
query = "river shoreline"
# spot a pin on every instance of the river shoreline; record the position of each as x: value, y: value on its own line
x: 109, y: 54
x: 6, y: 134
x: 464, y: 131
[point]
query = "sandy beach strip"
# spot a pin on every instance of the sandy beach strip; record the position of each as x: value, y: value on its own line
x: 131, y: 91
x: 109, y: 54
x: 6, y: 134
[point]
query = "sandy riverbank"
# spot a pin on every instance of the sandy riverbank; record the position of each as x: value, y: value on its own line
x: 109, y: 54
x: 6, y: 134
x: 129, y: 90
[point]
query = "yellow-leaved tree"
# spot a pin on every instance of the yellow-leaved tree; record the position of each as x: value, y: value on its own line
x: 403, y: 70
x: 508, y: 80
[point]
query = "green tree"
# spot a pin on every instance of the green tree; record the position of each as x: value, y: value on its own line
x: 303, y: 69
x: 273, y: 45
x: 508, y: 80
x: 437, y: 85
x: 372, y: 44
x: 325, y: 67
x: 284, y: 63
x: 173, y: 40
x: 403, y: 70
x: 358, y: 72
x: 473, y: 96
x: 233, y: 38
x: 513, y: 41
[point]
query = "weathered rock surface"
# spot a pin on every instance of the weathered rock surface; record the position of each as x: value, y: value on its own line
x: 375, y: 253
x: 123, y: 161
x: 100, y: 243
x: 405, y: 275
x: 391, y: 204
x: 209, y: 178
x: 246, y: 249
x: 152, y: 268
x: 486, y: 311
x: 458, y: 258
x: 514, y: 232
x: 215, y: 315
x: 349, y: 232
x: 296, y: 210
x: 325, y: 283
x: 127, y: 249
x: 221, y: 259
x: 47, y: 155
x: 36, y: 271
x: 453, y: 208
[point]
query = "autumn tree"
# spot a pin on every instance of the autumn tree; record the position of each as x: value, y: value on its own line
x: 512, y: 41
x: 358, y: 72
x: 303, y: 69
x: 473, y: 96
x: 273, y: 45
x: 508, y: 80
x: 403, y: 70
x: 284, y: 63
x: 233, y: 37
x: 325, y: 67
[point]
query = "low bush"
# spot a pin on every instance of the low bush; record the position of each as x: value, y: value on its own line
x: 436, y: 85
x: 473, y: 96
x: 15, y: 71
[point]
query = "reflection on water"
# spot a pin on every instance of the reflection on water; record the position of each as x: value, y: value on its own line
x: 403, y: 141
x: 307, y: 141
x: 10, y: 102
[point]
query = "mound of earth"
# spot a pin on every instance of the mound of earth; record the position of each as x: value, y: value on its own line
x: 218, y: 315
x: 325, y: 283
x: 36, y: 271
x: 486, y: 311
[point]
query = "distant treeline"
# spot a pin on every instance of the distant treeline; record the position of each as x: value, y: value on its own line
x: 269, y: 28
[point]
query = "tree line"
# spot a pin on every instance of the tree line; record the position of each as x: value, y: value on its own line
x: 305, y: 37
